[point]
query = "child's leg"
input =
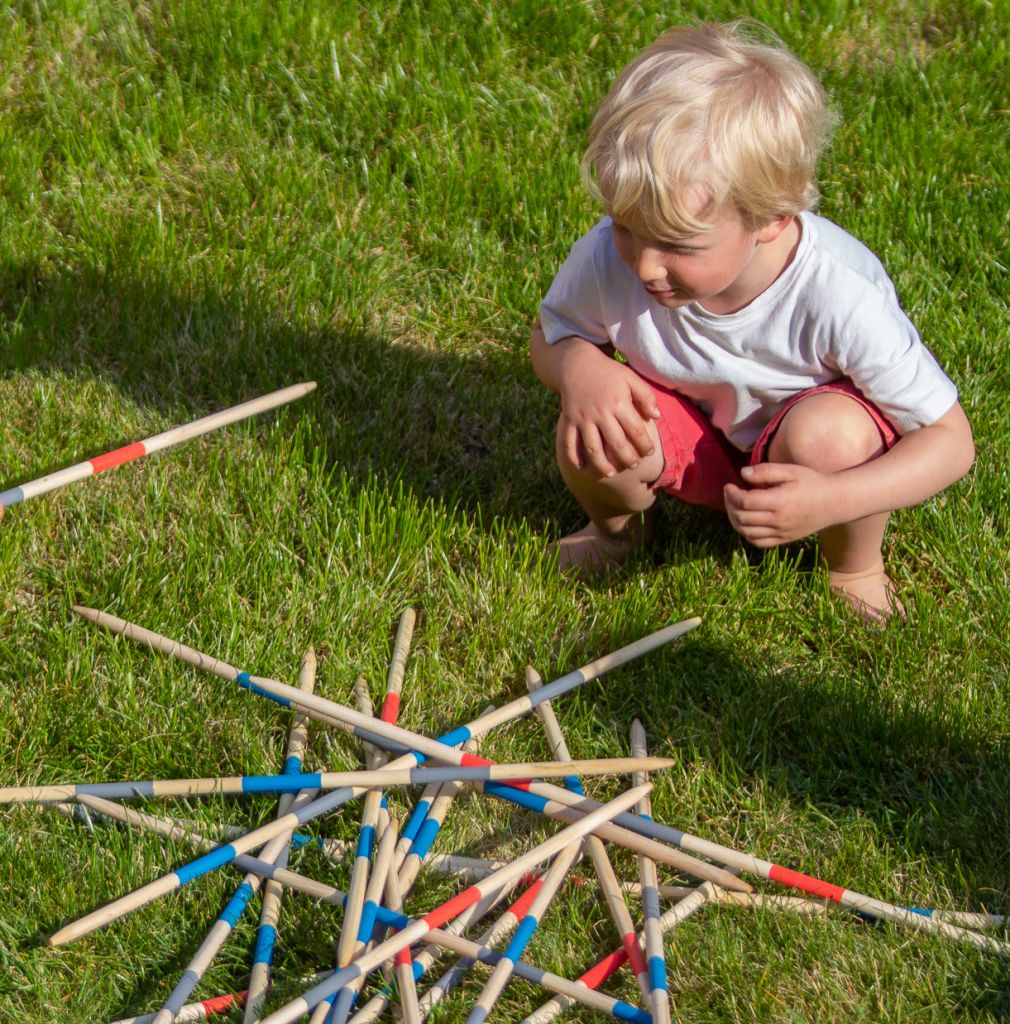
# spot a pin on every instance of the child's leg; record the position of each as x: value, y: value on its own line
x: 690, y: 461
x: 618, y: 508
x: 831, y: 432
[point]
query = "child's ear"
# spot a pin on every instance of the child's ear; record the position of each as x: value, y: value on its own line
x: 770, y: 231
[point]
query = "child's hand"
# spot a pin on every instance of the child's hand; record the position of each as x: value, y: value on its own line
x: 785, y: 503
x: 605, y: 410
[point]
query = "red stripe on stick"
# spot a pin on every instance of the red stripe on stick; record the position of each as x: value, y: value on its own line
x: 452, y: 908
x: 598, y: 974
x: 221, y: 1003
x: 806, y: 883
x: 634, y: 951
x: 126, y: 454
x: 390, y: 708
x: 523, y: 904
x: 404, y: 957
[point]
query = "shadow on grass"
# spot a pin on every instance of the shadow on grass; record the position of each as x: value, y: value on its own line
x: 473, y: 431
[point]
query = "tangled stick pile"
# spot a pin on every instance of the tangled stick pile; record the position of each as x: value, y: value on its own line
x: 387, y: 860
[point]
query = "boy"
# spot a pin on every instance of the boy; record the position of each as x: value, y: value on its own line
x: 766, y: 367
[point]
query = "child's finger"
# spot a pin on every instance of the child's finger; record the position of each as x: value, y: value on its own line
x: 593, y: 449
x: 644, y: 399
x: 640, y: 440
x: 766, y: 474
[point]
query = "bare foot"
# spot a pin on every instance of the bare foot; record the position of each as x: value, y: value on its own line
x: 590, y: 552
x: 870, y: 593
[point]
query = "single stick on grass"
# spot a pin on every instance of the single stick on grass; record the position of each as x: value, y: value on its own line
x: 655, y: 954
x: 293, y: 1010
x: 153, y: 444
x: 270, y: 909
x: 504, y: 969
x: 605, y: 873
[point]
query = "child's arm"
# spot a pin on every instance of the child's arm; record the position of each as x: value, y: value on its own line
x: 787, y: 502
x: 604, y: 405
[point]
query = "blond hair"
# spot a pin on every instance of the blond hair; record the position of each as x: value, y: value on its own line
x: 707, y: 116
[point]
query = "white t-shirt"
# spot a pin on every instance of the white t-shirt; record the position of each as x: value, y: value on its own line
x: 833, y: 313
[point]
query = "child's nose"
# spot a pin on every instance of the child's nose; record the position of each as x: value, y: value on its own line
x: 649, y: 265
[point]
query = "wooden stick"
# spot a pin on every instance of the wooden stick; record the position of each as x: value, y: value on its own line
x: 154, y: 444
x: 233, y: 785
x: 349, y: 938
x: 335, y: 799
x: 398, y: 666
x: 368, y: 727
x: 504, y: 969
x: 427, y: 956
x: 270, y: 909
x: 411, y: 1013
x: 594, y: 845
x: 447, y: 911
x: 655, y: 954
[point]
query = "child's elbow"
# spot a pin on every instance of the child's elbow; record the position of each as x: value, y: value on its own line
x: 964, y: 442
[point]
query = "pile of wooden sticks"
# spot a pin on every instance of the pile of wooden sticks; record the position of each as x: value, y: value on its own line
x: 376, y: 934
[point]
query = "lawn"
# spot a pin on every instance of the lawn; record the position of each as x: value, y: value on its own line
x: 202, y: 203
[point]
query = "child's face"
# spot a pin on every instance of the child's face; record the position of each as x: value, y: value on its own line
x: 720, y: 268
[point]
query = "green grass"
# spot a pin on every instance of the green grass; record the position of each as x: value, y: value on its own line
x: 200, y: 203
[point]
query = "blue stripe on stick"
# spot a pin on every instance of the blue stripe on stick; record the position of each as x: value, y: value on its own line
x: 426, y: 837
x: 366, y: 841
x: 517, y: 796
x: 573, y: 783
x: 216, y: 858
x: 657, y: 973
x: 625, y: 1011
x: 292, y: 766
x: 266, y: 937
x: 416, y: 820
x: 391, y: 919
x: 245, y: 680
x: 456, y: 737
x: 281, y: 783
x: 527, y: 926
x: 236, y: 905
x: 368, y: 912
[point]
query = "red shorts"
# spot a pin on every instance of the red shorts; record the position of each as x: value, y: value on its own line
x: 699, y: 461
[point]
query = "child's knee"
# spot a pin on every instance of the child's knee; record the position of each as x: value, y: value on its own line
x: 827, y: 432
